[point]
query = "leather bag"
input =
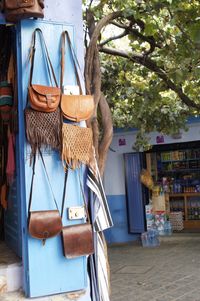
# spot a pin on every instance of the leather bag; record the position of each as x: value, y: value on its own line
x: 77, y: 240
x: 46, y: 223
x: 16, y: 10
x: 43, y: 98
x: 74, y: 107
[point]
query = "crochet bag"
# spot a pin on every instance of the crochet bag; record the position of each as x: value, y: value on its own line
x: 43, y: 129
x: 76, y: 145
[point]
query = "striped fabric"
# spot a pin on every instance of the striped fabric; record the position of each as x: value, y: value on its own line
x: 102, y: 219
x: 98, y: 262
x: 102, y: 271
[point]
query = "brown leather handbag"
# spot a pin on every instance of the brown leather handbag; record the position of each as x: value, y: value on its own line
x: 16, y: 10
x: 74, y: 107
x: 43, y: 224
x: 43, y: 98
x: 77, y: 240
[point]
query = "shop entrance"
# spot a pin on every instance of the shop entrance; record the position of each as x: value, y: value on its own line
x: 10, y: 233
x: 175, y: 169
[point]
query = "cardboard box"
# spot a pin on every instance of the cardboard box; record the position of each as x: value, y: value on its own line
x: 161, y: 203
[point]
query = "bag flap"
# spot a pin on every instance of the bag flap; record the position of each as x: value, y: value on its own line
x: 45, y: 224
x: 45, y: 90
x: 15, y: 4
x: 78, y: 107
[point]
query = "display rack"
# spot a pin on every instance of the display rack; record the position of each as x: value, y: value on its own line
x: 189, y: 204
x: 181, y: 169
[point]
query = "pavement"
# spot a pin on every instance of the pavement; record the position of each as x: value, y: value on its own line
x: 170, y: 272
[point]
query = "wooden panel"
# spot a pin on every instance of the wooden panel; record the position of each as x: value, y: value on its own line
x: 192, y: 224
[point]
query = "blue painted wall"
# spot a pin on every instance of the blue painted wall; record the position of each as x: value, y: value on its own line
x: 119, y: 232
x: 47, y: 270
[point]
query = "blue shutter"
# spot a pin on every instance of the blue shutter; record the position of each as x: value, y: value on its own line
x: 135, y: 202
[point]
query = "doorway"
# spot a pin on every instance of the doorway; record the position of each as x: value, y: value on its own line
x: 10, y: 228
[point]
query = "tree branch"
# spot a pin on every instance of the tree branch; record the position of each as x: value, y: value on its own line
x: 123, y: 34
x: 151, y: 65
x: 137, y: 34
x: 92, y: 46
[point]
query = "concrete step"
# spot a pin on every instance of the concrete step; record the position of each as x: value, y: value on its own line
x: 10, y: 270
x: 19, y: 296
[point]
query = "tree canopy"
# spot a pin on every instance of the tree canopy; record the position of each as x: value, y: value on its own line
x: 147, y: 53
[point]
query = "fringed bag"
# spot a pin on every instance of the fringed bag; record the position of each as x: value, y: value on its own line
x: 43, y: 129
x: 77, y: 145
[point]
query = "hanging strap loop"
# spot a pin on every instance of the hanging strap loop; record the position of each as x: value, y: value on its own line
x: 65, y: 35
x: 47, y: 57
x: 32, y: 180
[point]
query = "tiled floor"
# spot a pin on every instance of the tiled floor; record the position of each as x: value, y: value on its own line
x: 170, y: 272
x: 6, y: 255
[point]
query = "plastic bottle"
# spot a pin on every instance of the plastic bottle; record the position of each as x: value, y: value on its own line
x: 167, y: 228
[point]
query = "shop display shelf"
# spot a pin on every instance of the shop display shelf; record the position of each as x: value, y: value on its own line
x: 182, y: 160
x: 179, y: 170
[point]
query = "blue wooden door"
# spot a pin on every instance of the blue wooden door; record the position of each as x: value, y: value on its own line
x: 47, y: 271
x: 12, y: 222
x: 134, y: 193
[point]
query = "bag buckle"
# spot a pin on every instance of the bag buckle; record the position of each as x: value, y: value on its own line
x: 49, y: 100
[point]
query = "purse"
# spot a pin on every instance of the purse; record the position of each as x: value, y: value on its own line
x: 77, y: 240
x: 16, y: 10
x: 43, y: 224
x: 77, y: 145
x: 43, y: 129
x: 74, y: 107
x: 43, y: 98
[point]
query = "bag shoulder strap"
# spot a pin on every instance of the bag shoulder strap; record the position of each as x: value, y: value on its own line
x: 65, y: 35
x: 64, y: 194
x: 47, y: 57
x: 32, y: 180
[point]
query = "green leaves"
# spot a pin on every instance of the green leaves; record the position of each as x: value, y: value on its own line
x: 137, y: 96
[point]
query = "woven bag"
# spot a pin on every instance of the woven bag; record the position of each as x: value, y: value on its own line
x: 43, y: 129
x: 76, y: 145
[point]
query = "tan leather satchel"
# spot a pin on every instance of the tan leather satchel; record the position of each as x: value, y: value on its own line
x: 74, y: 107
x: 16, y: 10
x: 43, y: 98
x: 46, y: 223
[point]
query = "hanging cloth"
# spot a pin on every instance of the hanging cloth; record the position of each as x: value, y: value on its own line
x: 101, y: 217
x: 4, y: 202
